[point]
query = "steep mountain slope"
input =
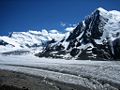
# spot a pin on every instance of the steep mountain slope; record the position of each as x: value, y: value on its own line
x: 96, y: 37
x: 31, y: 40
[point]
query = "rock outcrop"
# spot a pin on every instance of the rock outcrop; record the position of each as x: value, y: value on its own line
x: 96, y: 37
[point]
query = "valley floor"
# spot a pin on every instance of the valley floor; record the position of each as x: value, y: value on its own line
x: 32, y: 73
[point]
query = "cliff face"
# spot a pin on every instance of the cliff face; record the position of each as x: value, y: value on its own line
x: 96, y: 37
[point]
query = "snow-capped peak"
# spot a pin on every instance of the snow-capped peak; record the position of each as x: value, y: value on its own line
x: 115, y: 12
x: 108, y: 14
x: 101, y: 9
x: 97, y: 35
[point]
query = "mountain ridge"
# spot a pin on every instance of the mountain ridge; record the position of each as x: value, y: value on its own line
x: 93, y: 38
x: 29, y: 40
x: 96, y: 37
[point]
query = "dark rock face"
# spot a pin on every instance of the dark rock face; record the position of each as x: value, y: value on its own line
x: 82, y: 44
x: 16, y: 52
x: 101, y: 53
x: 6, y: 87
x: 116, y: 46
x: 3, y: 43
x: 74, y: 52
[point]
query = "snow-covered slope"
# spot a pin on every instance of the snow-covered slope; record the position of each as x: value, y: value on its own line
x: 28, y: 40
x: 98, y: 36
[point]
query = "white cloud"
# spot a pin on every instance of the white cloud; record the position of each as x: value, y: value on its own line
x: 54, y: 31
x: 72, y: 25
x: 63, y: 24
x: 69, y: 29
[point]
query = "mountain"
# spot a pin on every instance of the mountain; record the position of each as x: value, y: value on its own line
x: 32, y: 41
x: 96, y: 37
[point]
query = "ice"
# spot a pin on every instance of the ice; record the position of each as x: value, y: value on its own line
x: 29, y: 40
x: 67, y: 71
x: 65, y: 44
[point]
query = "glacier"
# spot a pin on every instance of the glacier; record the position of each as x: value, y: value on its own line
x: 91, y: 75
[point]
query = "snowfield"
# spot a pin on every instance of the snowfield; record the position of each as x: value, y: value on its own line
x: 92, y: 75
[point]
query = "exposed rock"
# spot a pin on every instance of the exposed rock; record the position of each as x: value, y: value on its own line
x: 94, y: 38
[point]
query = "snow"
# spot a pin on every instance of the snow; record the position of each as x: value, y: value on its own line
x: 79, y: 72
x: 113, y: 24
x: 25, y: 40
x: 80, y: 35
x: 67, y: 35
x: 111, y: 28
x: 65, y: 44
x: 10, y: 41
x: 13, y: 45
x: 101, y: 9
x: 67, y: 71
x: 56, y: 36
x: 83, y: 23
x: 98, y: 41
x: 115, y: 13
x: 103, y: 12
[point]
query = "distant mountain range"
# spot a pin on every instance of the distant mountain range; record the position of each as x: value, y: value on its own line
x: 32, y: 41
x: 97, y: 37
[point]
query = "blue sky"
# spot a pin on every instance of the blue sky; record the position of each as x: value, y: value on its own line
x: 24, y: 15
